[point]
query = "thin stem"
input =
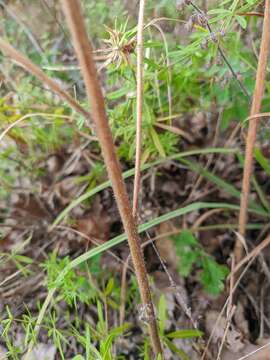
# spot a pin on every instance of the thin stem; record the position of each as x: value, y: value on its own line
x: 252, y: 129
x: 27, y: 31
x: 137, y: 177
x: 221, y: 52
x: 33, y: 69
x: 252, y: 255
x: 72, y: 10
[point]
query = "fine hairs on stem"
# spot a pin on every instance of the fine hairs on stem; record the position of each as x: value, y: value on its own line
x: 252, y: 129
x: 72, y: 10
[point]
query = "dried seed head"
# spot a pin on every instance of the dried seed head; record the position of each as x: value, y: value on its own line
x: 202, y: 19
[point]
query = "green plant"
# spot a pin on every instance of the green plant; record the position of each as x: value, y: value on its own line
x: 192, y: 255
x: 74, y: 286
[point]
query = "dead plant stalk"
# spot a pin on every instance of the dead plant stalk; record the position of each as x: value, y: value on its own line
x: 252, y: 129
x: 83, y: 48
x: 139, y: 115
x: 33, y: 69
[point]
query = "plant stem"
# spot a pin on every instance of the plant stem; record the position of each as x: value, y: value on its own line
x: 252, y: 128
x: 72, y: 10
x: 221, y: 52
x: 137, y: 177
x: 33, y: 69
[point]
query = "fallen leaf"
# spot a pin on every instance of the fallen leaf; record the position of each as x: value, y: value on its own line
x: 233, y: 342
x: 166, y: 246
x: 253, y: 352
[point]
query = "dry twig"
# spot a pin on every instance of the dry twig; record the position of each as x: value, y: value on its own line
x: 252, y: 255
x: 84, y: 52
x: 33, y: 69
x: 252, y: 129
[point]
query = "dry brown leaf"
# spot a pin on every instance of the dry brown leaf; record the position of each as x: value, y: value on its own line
x: 257, y: 352
x: 166, y: 246
x: 95, y: 223
x: 234, y: 338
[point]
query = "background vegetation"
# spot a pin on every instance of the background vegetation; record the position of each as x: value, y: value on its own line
x: 62, y: 241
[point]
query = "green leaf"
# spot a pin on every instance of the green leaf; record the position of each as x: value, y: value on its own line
x: 222, y: 184
x: 186, y: 238
x: 130, y: 173
x: 119, y: 330
x: 120, y: 238
x: 218, y: 11
x: 213, y: 275
x: 23, y: 259
x: 262, y: 160
x: 242, y: 21
x: 162, y: 313
x: 185, y: 244
x: 176, y: 350
x: 157, y: 142
x: 114, y: 95
x: 109, y: 287
x: 184, y: 334
x: 78, y: 357
x: 188, y: 258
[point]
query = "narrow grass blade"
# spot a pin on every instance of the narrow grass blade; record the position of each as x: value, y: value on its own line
x: 222, y: 184
x: 131, y: 172
x: 121, y: 238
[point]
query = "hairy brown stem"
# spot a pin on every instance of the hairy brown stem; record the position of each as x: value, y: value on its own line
x: 33, y: 69
x: 252, y: 128
x: 137, y: 177
x: 72, y: 10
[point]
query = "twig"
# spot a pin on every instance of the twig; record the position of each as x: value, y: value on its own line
x: 252, y: 129
x: 205, y: 216
x: 230, y: 311
x: 33, y: 69
x: 137, y: 177
x: 254, y: 352
x: 229, y: 321
x: 72, y: 10
x: 253, y: 254
x: 27, y: 31
x: 210, y: 338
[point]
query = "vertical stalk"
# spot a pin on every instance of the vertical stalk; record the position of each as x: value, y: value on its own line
x: 252, y: 128
x: 72, y: 10
x: 137, y: 177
